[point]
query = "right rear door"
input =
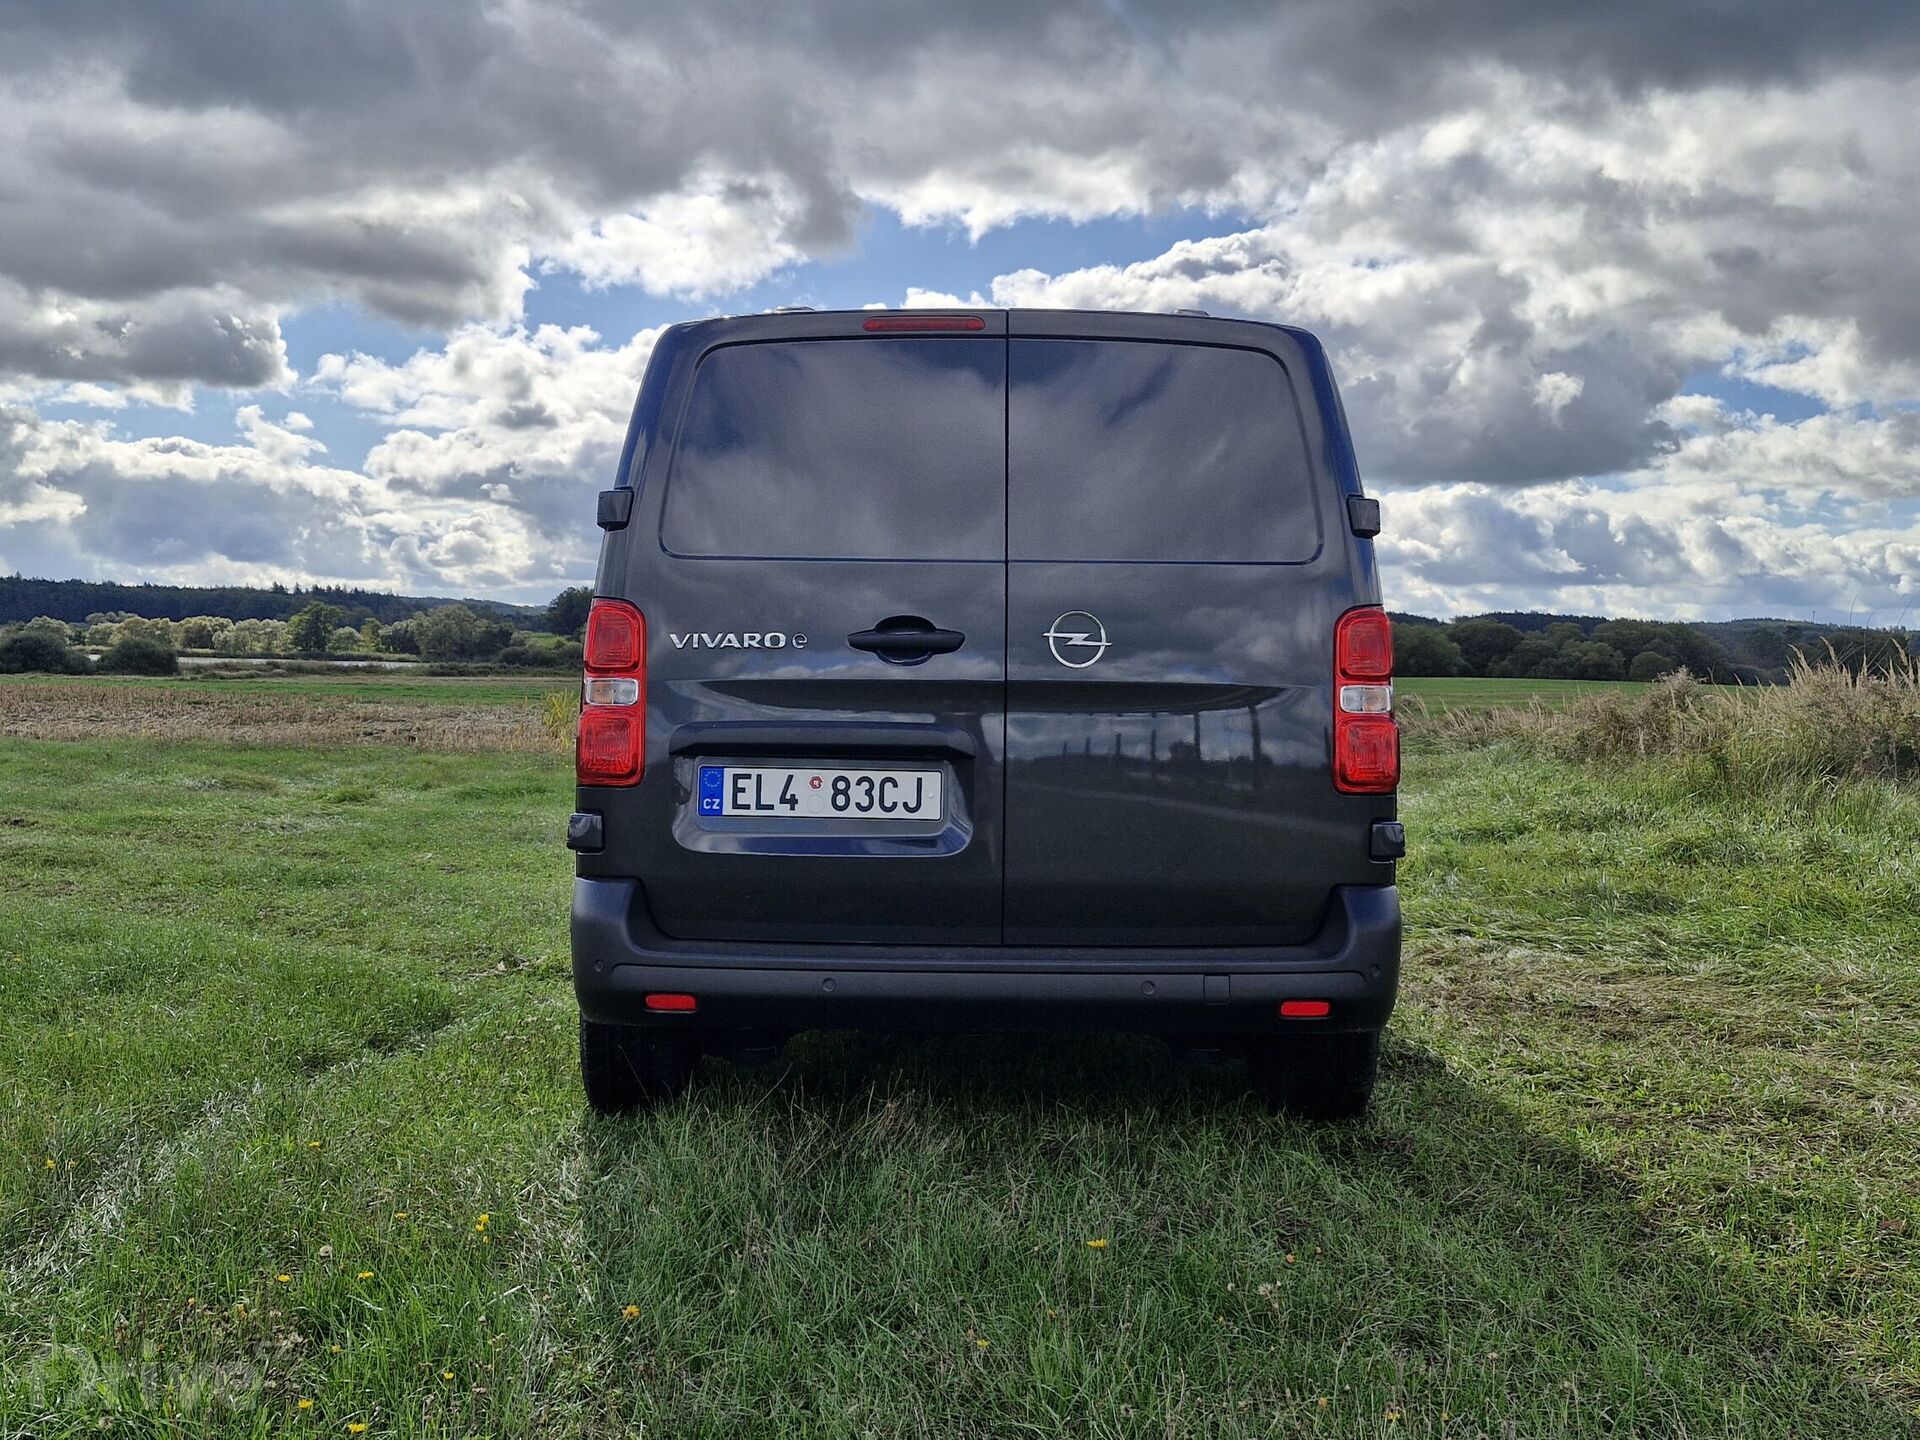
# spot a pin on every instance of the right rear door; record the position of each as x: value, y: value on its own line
x: 1173, y: 579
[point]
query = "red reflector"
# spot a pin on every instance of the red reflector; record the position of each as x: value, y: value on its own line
x: 607, y: 748
x: 1366, y: 754
x: 1363, y: 645
x: 672, y: 1002
x: 616, y: 637
x: 1305, y: 1009
x: 924, y: 322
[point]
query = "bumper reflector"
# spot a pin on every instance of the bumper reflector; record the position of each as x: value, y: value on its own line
x: 682, y: 1003
x: 1305, y: 1009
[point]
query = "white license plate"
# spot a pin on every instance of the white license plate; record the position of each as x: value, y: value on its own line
x: 776, y: 792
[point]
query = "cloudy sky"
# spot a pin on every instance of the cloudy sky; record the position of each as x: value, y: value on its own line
x: 1625, y: 299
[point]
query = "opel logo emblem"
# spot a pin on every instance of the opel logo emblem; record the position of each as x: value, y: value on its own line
x: 1077, y: 639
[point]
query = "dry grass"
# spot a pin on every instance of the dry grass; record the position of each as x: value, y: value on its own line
x: 56, y: 711
x: 1828, y: 724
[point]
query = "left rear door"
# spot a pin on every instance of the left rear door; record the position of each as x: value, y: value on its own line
x: 818, y: 482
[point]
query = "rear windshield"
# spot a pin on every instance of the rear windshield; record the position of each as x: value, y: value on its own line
x: 1140, y: 450
x: 848, y: 449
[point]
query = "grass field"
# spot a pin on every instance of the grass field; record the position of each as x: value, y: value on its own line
x: 291, y: 1116
x: 1473, y: 693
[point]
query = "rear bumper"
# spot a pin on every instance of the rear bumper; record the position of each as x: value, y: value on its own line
x: 1353, y: 962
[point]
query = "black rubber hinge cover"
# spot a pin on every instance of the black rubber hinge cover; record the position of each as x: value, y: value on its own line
x: 1388, y: 840
x: 586, y: 831
x: 616, y: 508
x: 1363, y: 516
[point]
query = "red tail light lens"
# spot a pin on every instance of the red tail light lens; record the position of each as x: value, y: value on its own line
x: 1366, y: 740
x: 1363, y: 645
x: 616, y: 638
x: 611, y: 743
x: 923, y: 323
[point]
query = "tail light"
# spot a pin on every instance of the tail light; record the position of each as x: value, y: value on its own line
x: 610, y: 746
x: 1366, y: 740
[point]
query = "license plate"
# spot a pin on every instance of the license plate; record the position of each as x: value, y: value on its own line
x: 774, y: 792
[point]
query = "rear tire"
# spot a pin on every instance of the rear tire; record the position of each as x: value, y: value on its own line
x: 626, y: 1068
x: 1316, y: 1077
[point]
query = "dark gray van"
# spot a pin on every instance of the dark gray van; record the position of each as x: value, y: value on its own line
x: 1000, y: 670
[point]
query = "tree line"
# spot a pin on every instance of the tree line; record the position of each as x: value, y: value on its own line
x: 1536, y: 647
x: 126, y: 643
x: 25, y: 598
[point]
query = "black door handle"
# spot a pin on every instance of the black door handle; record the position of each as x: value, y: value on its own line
x: 906, y: 640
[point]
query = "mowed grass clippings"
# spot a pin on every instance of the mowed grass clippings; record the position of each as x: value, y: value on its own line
x: 1642, y: 1162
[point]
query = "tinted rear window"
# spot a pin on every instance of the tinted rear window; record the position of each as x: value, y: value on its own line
x: 849, y: 449
x: 1138, y: 450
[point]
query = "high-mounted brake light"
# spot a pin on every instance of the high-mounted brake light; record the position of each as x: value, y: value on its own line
x: 1366, y: 739
x: 923, y: 322
x: 610, y: 745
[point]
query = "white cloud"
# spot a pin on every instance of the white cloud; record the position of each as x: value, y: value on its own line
x: 1520, y: 231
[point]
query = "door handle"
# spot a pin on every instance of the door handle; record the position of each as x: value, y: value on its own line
x: 906, y: 640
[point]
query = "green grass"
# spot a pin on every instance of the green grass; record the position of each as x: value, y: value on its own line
x: 1470, y: 692
x: 1642, y: 1162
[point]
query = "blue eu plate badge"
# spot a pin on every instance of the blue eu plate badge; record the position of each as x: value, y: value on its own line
x: 713, y: 779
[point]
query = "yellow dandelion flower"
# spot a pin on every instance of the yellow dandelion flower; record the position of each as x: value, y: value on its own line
x: 364, y: 1275
x: 983, y: 1344
x: 283, y: 1279
x: 356, y: 1427
x: 1393, y: 1417
x: 399, y: 1214
x: 486, y: 1240
x: 446, y: 1374
x: 50, y: 1164
x: 333, y: 1349
x: 1096, y: 1244
x: 313, y: 1144
x: 632, y: 1312
x: 304, y: 1403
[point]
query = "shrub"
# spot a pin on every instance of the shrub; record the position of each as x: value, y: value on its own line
x: 565, y: 655
x: 39, y: 650
x: 139, y: 655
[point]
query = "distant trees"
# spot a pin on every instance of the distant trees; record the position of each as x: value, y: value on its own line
x: 453, y: 632
x: 1560, y: 650
x: 312, y: 629
x: 567, y: 611
x: 1425, y: 650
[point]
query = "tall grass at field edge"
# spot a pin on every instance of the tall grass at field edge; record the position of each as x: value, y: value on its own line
x: 1827, y: 724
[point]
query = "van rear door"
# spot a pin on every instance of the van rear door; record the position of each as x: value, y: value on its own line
x: 818, y: 546
x: 1175, y: 571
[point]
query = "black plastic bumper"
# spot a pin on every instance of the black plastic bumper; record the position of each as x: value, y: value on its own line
x: 619, y: 958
